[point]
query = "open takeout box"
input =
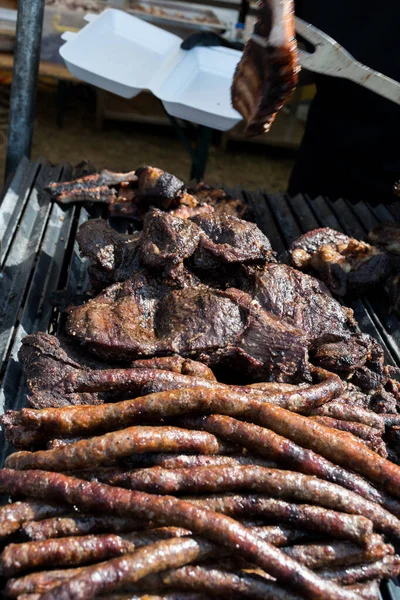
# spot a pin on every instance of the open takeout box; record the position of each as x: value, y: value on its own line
x: 126, y: 55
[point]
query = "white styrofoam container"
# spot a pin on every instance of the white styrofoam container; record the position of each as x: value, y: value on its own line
x: 198, y: 88
x: 125, y: 55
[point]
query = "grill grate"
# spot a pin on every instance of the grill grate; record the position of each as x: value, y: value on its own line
x: 39, y: 255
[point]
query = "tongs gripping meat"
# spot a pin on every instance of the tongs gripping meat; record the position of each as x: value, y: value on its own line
x: 266, y: 76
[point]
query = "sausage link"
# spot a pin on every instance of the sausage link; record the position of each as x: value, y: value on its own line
x: 73, y: 524
x: 386, y: 568
x: 331, y: 444
x: 66, y: 551
x: 273, y: 446
x: 88, y: 496
x: 120, y: 572
x: 12, y: 516
x: 27, y: 427
x: 101, y: 450
x: 338, y: 525
x: 287, y: 485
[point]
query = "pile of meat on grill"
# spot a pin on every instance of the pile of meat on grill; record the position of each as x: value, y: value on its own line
x: 351, y: 267
x: 212, y: 424
x: 130, y: 195
x: 209, y: 288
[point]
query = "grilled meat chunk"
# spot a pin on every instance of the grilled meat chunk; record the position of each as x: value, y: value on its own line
x: 336, y: 343
x: 98, y: 187
x: 167, y: 243
x: 221, y: 202
x: 162, y: 307
x: 133, y: 194
x: 387, y: 236
x: 127, y: 194
x: 167, y: 240
x: 139, y: 318
x: 45, y: 360
x: 228, y: 241
x: 112, y: 255
x: 303, y: 301
x: 349, y: 355
x: 344, y: 264
x: 266, y: 77
x: 179, y: 272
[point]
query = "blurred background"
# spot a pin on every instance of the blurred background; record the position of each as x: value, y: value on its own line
x: 74, y: 121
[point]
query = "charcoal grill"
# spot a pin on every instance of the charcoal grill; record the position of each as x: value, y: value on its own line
x: 39, y: 255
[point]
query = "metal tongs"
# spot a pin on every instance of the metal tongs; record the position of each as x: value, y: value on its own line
x: 330, y: 58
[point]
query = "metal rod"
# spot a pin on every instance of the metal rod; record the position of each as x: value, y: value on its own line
x: 24, y: 81
x: 201, y: 149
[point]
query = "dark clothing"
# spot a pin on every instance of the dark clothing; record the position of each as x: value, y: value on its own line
x: 351, y: 146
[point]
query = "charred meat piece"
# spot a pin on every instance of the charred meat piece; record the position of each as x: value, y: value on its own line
x: 119, y: 322
x: 147, y: 315
x: 127, y: 194
x: 344, y: 264
x: 303, y: 301
x: 387, y: 236
x: 45, y: 361
x: 349, y: 355
x: 156, y: 183
x: 157, y: 188
x: 137, y: 319
x: 112, y: 255
x: 132, y: 194
x: 336, y: 343
x: 186, y: 212
x: 176, y: 364
x: 177, y: 246
x: 230, y: 328
x: 266, y: 77
x: 223, y: 252
x: 228, y: 239
x: 95, y: 188
x: 221, y: 201
x: 167, y: 240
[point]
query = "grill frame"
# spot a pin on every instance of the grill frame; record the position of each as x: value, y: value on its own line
x: 39, y: 255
